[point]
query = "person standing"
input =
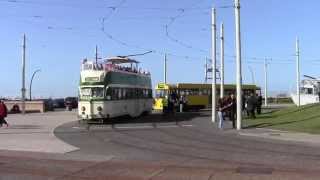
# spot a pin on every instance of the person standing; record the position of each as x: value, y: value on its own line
x: 222, y: 105
x: 251, y: 105
x: 182, y: 103
x: 3, y: 113
x: 232, y: 109
x: 165, y: 104
x: 173, y: 99
x: 259, y: 104
x: 244, y: 102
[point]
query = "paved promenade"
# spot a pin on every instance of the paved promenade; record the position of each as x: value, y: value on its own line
x: 54, y: 146
x: 34, y: 132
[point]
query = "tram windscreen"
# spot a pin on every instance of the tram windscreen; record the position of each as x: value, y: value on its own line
x: 95, y: 92
x: 85, y: 92
x: 160, y: 93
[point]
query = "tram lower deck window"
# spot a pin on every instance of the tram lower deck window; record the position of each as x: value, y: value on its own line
x: 97, y: 92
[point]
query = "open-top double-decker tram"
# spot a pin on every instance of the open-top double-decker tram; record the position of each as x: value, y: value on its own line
x: 116, y: 87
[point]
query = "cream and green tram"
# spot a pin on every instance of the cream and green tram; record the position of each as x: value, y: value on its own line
x: 109, y: 90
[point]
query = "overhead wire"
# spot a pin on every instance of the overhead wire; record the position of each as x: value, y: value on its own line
x: 176, y: 40
x: 172, y: 20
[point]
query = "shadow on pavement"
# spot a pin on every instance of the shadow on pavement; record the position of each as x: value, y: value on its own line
x: 153, y: 118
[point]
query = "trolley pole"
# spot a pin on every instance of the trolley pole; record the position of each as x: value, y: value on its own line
x: 238, y: 58
x: 165, y: 69
x: 265, y: 82
x: 213, y: 54
x: 298, y: 69
x: 23, y: 89
x: 96, y: 54
x: 222, y: 61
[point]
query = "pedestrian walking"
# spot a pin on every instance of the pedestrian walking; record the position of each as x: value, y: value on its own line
x: 251, y: 105
x: 259, y: 104
x: 3, y: 114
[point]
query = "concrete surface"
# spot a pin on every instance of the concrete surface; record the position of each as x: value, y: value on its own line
x: 34, y: 132
x: 151, y: 147
x: 306, y: 138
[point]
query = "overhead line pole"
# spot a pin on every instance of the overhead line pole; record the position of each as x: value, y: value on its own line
x: 222, y: 61
x: 238, y: 66
x: 165, y: 69
x: 206, y: 71
x: 252, y: 75
x: 23, y: 89
x: 298, y: 69
x: 213, y: 54
x: 265, y: 82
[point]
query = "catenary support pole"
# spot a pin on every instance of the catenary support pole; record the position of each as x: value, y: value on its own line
x: 23, y: 89
x: 213, y: 54
x: 265, y: 82
x: 298, y: 69
x: 221, y: 61
x: 206, y: 71
x: 238, y: 62
x: 165, y: 69
x: 252, y: 75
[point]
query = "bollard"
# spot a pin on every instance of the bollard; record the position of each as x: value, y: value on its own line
x: 181, y: 107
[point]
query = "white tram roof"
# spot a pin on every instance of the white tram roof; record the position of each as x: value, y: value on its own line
x: 120, y: 60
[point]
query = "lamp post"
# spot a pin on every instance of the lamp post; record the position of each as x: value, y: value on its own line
x: 34, y: 73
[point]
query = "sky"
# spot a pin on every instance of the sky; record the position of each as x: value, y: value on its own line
x: 61, y: 33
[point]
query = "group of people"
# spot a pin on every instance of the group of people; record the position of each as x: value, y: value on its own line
x: 111, y: 67
x: 251, y: 104
x: 227, y: 107
x: 173, y: 101
x: 126, y: 69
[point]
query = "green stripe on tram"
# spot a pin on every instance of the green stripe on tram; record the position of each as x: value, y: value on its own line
x: 121, y: 78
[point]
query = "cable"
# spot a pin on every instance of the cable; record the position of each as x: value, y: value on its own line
x: 181, y: 43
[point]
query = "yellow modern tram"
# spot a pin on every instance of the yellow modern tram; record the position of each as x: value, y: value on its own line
x: 198, y: 95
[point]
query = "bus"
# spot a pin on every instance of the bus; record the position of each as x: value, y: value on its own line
x: 116, y: 87
x: 198, y: 95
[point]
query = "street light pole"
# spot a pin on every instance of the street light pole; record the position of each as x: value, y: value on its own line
x: 238, y: 58
x: 213, y: 54
x: 30, y: 88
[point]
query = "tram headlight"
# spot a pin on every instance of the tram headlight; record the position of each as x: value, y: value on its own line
x: 83, y: 108
x: 99, y: 108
